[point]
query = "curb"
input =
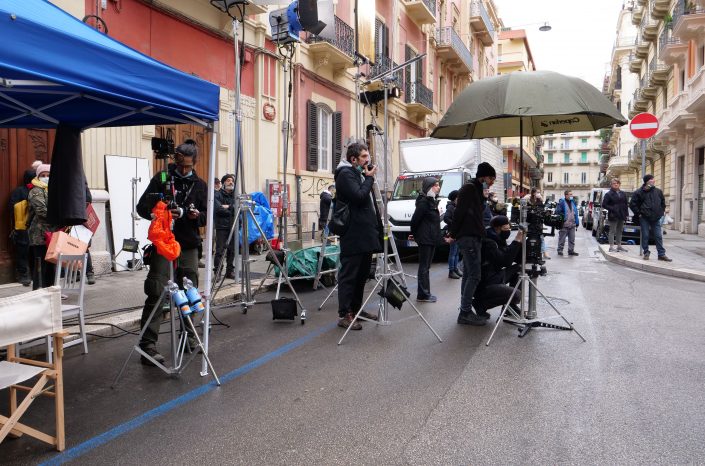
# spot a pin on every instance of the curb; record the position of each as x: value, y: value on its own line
x: 652, y: 267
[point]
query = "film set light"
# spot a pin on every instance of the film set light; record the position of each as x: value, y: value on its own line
x: 287, y: 23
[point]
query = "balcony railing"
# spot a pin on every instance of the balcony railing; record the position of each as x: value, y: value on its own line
x: 417, y: 93
x: 447, y: 37
x: 344, y: 38
x: 477, y: 8
x: 681, y: 15
x: 483, y: 25
x: 383, y: 64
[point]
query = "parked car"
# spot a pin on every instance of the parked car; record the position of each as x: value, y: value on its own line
x: 630, y: 231
x: 592, y: 211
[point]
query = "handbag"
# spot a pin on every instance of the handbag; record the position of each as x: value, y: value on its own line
x: 340, y: 220
x: 63, y: 243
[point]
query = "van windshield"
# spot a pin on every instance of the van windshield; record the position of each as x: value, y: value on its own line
x: 409, y: 187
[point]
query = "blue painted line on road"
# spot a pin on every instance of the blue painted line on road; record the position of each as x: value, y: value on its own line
x: 99, y: 440
x: 117, y: 431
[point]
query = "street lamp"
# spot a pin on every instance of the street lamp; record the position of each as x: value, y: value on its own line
x: 545, y: 27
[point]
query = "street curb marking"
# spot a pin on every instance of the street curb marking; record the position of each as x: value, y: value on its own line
x: 640, y: 264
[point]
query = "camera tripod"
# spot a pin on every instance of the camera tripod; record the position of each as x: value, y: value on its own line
x: 178, y: 346
x: 528, y: 319
x: 387, y: 275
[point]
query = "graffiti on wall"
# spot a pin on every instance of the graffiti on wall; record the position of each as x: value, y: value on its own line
x: 311, y: 186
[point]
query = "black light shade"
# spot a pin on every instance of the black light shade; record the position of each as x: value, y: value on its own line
x: 545, y: 27
x: 225, y: 5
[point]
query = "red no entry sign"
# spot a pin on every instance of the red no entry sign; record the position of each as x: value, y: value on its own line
x: 644, y: 125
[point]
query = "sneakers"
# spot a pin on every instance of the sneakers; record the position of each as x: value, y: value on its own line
x: 230, y: 275
x: 154, y: 354
x: 560, y: 253
x: 367, y: 315
x: 613, y: 249
x: 621, y: 249
x: 347, y: 321
x: 26, y: 280
x: 458, y: 273
x: 573, y: 253
x: 428, y: 299
x: 453, y: 274
x: 468, y: 318
x: 646, y: 255
x: 665, y: 258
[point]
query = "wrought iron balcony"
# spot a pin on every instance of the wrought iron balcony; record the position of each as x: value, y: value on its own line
x: 658, y: 72
x: 421, y: 11
x: 649, y: 26
x: 671, y: 48
x: 688, y: 20
x: 481, y: 23
x: 383, y: 64
x: 451, y: 47
x: 635, y: 63
x: 641, y: 47
x: 338, y: 52
x: 659, y: 8
x: 418, y: 97
x: 637, y: 13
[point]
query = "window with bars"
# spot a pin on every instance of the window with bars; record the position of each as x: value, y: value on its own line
x: 566, y: 178
x: 550, y: 177
x: 583, y: 178
x: 324, y: 138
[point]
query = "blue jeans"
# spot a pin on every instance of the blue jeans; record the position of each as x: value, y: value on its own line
x: 649, y: 228
x: 470, y: 246
x: 453, y: 256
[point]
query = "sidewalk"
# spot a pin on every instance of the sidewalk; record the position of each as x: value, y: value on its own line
x: 115, y: 301
x: 687, y: 252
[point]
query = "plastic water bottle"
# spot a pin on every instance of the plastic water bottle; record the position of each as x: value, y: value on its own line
x: 179, y: 298
x: 194, y: 296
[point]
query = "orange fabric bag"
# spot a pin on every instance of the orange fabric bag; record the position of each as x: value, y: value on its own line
x: 160, y: 233
x: 63, y: 243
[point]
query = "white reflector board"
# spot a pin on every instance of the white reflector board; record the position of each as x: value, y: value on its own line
x: 120, y: 170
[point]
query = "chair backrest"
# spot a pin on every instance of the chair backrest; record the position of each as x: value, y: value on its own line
x: 30, y: 315
x: 71, y: 276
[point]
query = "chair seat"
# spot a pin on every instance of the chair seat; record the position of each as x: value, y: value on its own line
x: 68, y: 308
x: 12, y: 373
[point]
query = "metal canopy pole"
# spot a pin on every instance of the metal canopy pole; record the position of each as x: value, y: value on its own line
x: 206, y: 290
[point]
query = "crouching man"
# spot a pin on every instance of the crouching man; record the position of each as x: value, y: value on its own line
x: 501, y: 265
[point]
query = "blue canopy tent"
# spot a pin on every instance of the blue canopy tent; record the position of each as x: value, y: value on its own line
x: 56, y: 70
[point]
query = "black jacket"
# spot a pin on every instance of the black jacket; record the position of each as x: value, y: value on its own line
x: 649, y: 204
x: 189, y: 190
x: 364, y: 234
x: 497, y: 255
x: 326, y: 199
x: 224, y: 217
x: 426, y: 221
x: 467, y: 218
x: 616, y: 204
x: 449, y: 214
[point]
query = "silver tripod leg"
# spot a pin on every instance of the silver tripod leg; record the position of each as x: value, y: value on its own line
x: 328, y: 297
x: 188, y: 320
x: 506, y: 308
x: 557, y: 311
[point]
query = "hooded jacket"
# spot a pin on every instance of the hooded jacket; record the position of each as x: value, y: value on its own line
x: 364, y: 235
x: 189, y: 190
x: 224, y: 217
x: 648, y: 203
x: 426, y: 221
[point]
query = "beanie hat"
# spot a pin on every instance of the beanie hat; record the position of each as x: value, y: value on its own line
x: 45, y: 167
x: 428, y: 183
x: 453, y: 195
x: 647, y: 178
x: 499, y: 221
x: 225, y: 177
x: 36, y: 163
x: 485, y: 169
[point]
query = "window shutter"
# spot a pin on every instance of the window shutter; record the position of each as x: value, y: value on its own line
x: 312, y: 136
x: 385, y: 39
x: 378, y: 38
x: 337, y: 139
x: 407, y: 71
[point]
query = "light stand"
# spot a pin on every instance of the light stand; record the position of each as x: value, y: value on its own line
x: 386, y: 276
x: 132, y: 245
x: 528, y: 318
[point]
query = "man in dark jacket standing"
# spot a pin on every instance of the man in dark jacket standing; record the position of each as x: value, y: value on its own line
x: 190, y: 197
x: 615, y: 201
x: 354, y: 178
x: 224, y: 210
x: 326, y: 197
x: 468, y: 230
x: 453, y: 271
x: 426, y: 228
x: 649, y: 205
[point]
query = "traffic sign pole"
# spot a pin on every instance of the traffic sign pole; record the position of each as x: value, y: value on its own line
x: 644, y: 126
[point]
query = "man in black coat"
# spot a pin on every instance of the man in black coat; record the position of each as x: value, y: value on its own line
x: 354, y: 179
x: 501, y: 264
x: 649, y: 205
x: 468, y: 230
x: 615, y: 202
x: 326, y: 197
x: 224, y: 210
x: 426, y: 228
x: 190, y: 197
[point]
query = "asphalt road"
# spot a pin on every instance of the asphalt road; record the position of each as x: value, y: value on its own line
x: 395, y: 395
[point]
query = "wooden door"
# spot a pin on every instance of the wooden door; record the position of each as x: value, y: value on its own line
x: 18, y: 149
x: 179, y: 133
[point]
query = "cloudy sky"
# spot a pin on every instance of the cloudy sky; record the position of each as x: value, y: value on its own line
x: 580, y: 43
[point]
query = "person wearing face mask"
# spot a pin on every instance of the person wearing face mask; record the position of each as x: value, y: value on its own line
x: 569, y: 210
x: 501, y: 264
x: 189, y: 194
x: 224, y: 209
x: 38, y: 201
x: 468, y: 230
x: 649, y: 205
x: 426, y: 228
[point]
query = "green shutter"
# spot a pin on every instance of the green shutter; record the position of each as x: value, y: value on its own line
x: 312, y: 136
x: 337, y: 139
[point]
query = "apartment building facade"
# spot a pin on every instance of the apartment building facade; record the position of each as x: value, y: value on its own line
x: 571, y: 161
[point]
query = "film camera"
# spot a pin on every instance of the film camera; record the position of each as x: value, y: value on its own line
x: 162, y: 148
x: 537, y: 217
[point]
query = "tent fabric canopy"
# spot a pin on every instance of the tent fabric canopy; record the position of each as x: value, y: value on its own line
x: 54, y: 68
